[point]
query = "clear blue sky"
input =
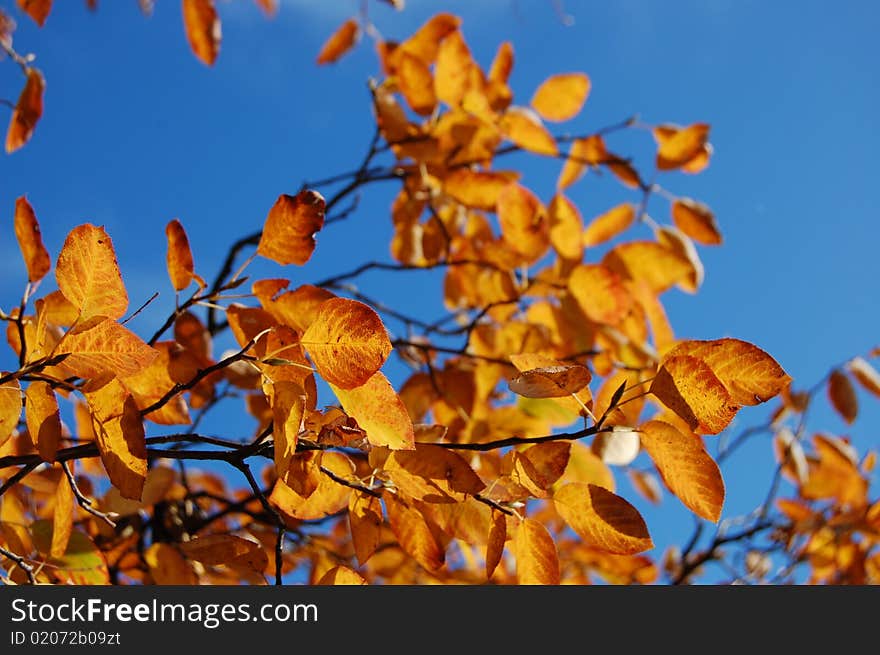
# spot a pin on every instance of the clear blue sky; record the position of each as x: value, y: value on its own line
x: 137, y: 131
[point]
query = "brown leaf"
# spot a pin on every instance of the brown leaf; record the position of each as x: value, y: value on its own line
x: 340, y: 42
x: 689, y: 387
x: 27, y: 112
x: 551, y: 381
x: 537, y: 562
x: 202, y: 26
x: 105, y: 348
x: 602, y: 518
x: 30, y: 241
x: 43, y: 419
x: 560, y: 97
x: 696, y: 220
x: 217, y: 549
x: 36, y: 9
x: 289, y: 232
x: 686, y: 468
x: 179, y: 259
x: 842, y: 395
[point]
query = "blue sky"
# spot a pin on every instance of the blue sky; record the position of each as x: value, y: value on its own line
x: 137, y: 131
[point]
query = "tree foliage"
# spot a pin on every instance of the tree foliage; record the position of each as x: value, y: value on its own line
x: 554, y: 373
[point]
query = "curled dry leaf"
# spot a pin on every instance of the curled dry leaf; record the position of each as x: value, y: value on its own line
x: 203, y: 32
x: 28, y: 110
x: 551, y: 381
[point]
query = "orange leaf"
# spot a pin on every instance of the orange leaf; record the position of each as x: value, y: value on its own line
x: 30, y: 241
x: 365, y: 523
x: 270, y: 7
x: 560, y: 97
x: 681, y: 245
x: 36, y: 9
x: 537, y: 562
x: 682, y: 146
x: 696, y: 220
x: 297, y: 308
x: 179, y: 259
x: 866, y: 374
x: 328, y: 498
x: 478, y: 189
x: 202, y: 29
x: 433, y: 474
x: 656, y: 265
x: 88, y: 275
x: 167, y: 566
x: 10, y: 408
x: 288, y: 408
x: 289, y: 232
x: 608, y: 225
x: 583, y: 152
x: 686, y: 468
x: 347, y: 341
x: 524, y: 223
x: 107, y: 347
x: 119, y: 432
x: 538, y: 467
x: 524, y: 128
x: 566, y: 226
x: 426, y: 41
x: 378, y: 411
x: 602, y: 518
x: 502, y: 64
x: 27, y: 112
x: 842, y: 395
x: 341, y: 575
x: 413, y: 533
x: 62, y: 518
x: 551, y: 381
x: 152, y: 382
x: 416, y: 84
x: 43, y: 419
x: 453, y: 69
x: 217, y: 549
x: 600, y: 293
x: 340, y: 42
x: 495, y: 542
x: 689, y: 387
x: 750, y: 375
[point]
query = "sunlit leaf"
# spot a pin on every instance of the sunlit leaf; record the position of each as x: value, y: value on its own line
x: 537, y: 561
x: 30, y: 241
x: 288, y: 407
x: 560, y: 97
x: 107, y: 347
x: 62, y: 518
x: 288, y: 235
x: 658, y: 266
x: 329, y: 497
x: 202, y: 27
x: 217, y: 549
x: 414, y: 534
x: 566, y: 226
x: 416, y: 84
x: 602, y: 518
x: 682, y: 146
x: 478, y: 189
x: 690, y: 388
x: 600, y: 293
x: 495, y: 542
x: 10, y: 408
x: 582, y: 153
x: 866, y: 374
x: 82, y: 562
x: 167, y: 566
x: 43, y: 419
x: 696, y: 220
x: 842, y: 395
x: 341, y: 575
x: 452, y: 72
x: 425, y: 42
x: 365, y: 523
x: 551, y: 381
x: 524, y: 222
x: 432, y: 474
x: 150, y: 383
x: 179, y: 259
x: 36, y: 9
x: 524, y: 128
x: 340, y: 42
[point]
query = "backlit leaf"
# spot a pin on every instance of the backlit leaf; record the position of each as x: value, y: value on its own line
x: 524, y: 222
x: 202, y: 27
x: 842, y: 395
x: 537, y: 562
x: 495, y: 542
x: 36, y: 9
x: 416, y: 84
x: 608, y: 225
x: 228, y: 549
x: 690, y: 388
x: 365, y: 523
x: 347, y: 341
x: 426, y: 41
x: 152, y: 382
x: 107, y: 347
x: 414, y: 534
x: 866, y: 374
x: 62, y: 518
x: 682, y: 146
x: 28, y: 111
x: 341, y: 575
x: 696, y: 220
x: 329, y: 497
x: 452, y: 72
x: 656, y: 265
x: 681, y: 244
x: 340, y: 42
x: 288, y: 408
x: 30, y: 241
x: 582, y: 153
x: 478, y: 189
x: 566, y: 226
x: 43, y: 419
x: 551, y: 381
x: 560, y: 97
x: 433, y: 474
x: 602, y: 518
x: 379, y: 411
x: 10, y: 408
x: 179, y: 259
x: 88, y: 275
x: 167, y: 566
x: 289, y: 231
x: 524, y: 128
x: 686, y: 468
x: 600, y: 293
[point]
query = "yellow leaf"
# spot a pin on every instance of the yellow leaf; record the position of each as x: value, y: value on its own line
x: 834, y: 475
x: 656, y: 265
x: 179, y: 259
x: 416, y: 84
x: 341, y: 575
x: 425, y: 43
x: 288, y: 408
x: 538, y: 467
x: 217, y: 549
x: 602, y: 518
x: 433, y: 474
x: 866, y: 374
x: 329, y: 497
x: 365, y: 523
x: 88, y: 275
x: 566, y: 226
x: 43, y: 419
x: 696, y: 220
x: 36, y: 9
x: 152, y: 382
x: 107, y: 347
x: 690, y: 388
x: 524, y: 223
x: 62, y: 518
x: 551, y: 381
x: 82, y: 562
x: 478, y: 189
x: 28, y: 111
x: 524, y: 128
x: 297, y: 308
x: 679, y: 243
x: 842, y: 395
x: 608, y: 225
x: 582, y: 153
x: 30, y: 241
x: 414, y: 534
x: 453, y: 69
x: 167, y: 566
x: 537, y: 562
x: 600, y: 293
x: 682, y: 146
x: 560, y: 97
x: 379, y: 411
x: 495, y: 542
x: 202, y: 29
x: 340, y: 42
x: 10, y: 408
x: 347, y: 341
x: 686, y: 468
x: 288, y: 233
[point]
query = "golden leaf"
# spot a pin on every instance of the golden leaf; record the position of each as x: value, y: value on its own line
x: 179, y: 259
x: 413, y: 533
x: 416, y: 84
x: 107, y: 347
x: 82, y: 562
x: 524, y: 128
x: 10, y: 408
x: 288, y: 408
x: 30, y: 241
x: 696, y: 220
x: 452, y: 72
x: 582, y: 153
x: 329, y: 497
x: 495, y: 542
x: 217, y: 549
x: 600, y: 293
x: 341, y: 575
x: 602, y: 518
x: 202, y: 29
x: 478, y: 189
x: 425, y: 43
x: 152, y: 382
x: 28, y: 111
x: 379, y: 411
x: 43, y: 419
x: 690, y: 388
x: 566, y: 226
x: 842, y: 395
x: 62, y: 518
x: 167, y: 566
x: 433, y: 474
x: 365, y: 523
x: 524, y: 223
x: 608, y: 225
x: 537, y: 562
x: 560, y: 97
x: 650, y: 262
x: 288, y: 233
x: 682, y: 146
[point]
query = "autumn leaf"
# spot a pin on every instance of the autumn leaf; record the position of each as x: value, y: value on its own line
x: 328, y: 498
x: 341, y: 575
x: 62, y: 518
x: 495, y: 542
x: 600, y: 293
x: 43, y: 419
x: 690, y: 388
x: 30, y: 241
x: 202, y: 26
x: 537, y: 560
x: 696, y: 220
x: 270, y: 7
x: 560, y: 97
x: 28, y: 111
x: 167, y: 566
x: 82, y: 562
x: 566, y: 226
x: 478, y: 189
x: 288, y: 408
x: 416, y: 84
x: 551, y: 381
x: 608, y: 225
x: 602, y: 518
x: 589, y: 151
x: 88, y: 274
x: 340, y: 42
x: 842, y: 395
x: 432, y: 474
x: 36, y: 9
x: 524, y: 222
x: 226, y: 549
x: 365, y: 523
x: 107, y: 347
x: 681, y: 245
x: 866, y: 374
x: 453, y: 68
x: 682, y: 146
x: 378, y: 411
x: 524, y: 128
x: 686, y: 468
x: 413, y: 533
x: 425, y: 42
x: 652, y: 263
x: 288, y: 235
x: 179, y: 258
x: 10, y: 408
